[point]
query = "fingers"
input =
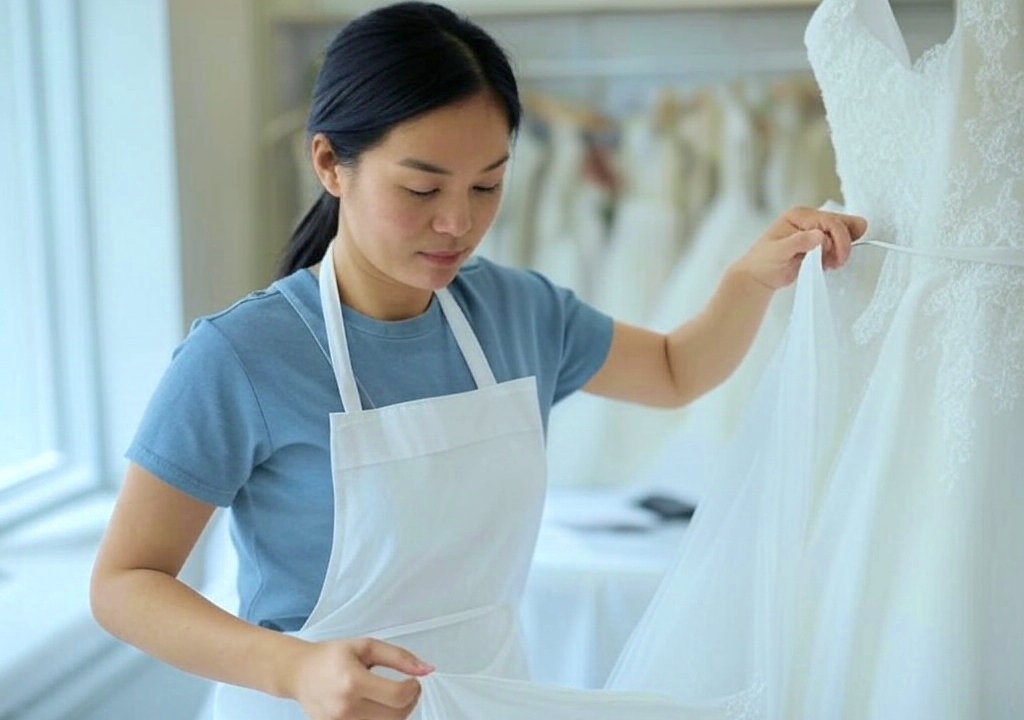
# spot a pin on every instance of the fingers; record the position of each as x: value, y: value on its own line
x: 394, y: 694
x: 804, y: 218
x: 803, y: 242
x: 855, y: 224
x: 335, y: 680
x: 375, y: 711
x: 837, y: 245
x: 373, y: 653
x: 840, y: 230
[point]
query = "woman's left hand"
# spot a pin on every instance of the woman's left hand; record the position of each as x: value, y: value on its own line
x: 774, y: 259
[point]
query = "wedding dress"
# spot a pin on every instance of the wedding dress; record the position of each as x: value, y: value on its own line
x: 511, y: 238
x: 698, y: 128
x: 560, y: 253
x: 731, y: 223
x: 590, y: 439
x: 800, y: 165
x: 818, y: 182
x: 860, y: 554
x: 647, y: 224
x: 784, y: 161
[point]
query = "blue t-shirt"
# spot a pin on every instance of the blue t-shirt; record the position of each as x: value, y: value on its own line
x: 240, y: 418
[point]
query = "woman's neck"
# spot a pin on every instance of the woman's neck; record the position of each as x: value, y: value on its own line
x: 366, y: 290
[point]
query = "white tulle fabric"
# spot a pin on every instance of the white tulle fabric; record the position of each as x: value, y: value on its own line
x: 859, y: 553
x: 700, y: 651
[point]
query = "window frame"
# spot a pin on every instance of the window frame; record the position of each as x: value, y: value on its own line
x: 48, y: 87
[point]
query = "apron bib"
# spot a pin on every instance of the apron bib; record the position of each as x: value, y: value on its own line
x: 437, y: 504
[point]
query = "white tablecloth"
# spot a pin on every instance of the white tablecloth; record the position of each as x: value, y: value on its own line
x: 589, y: 586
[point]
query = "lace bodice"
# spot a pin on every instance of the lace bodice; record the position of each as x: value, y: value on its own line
x: 932, y: 153
x: 883, y: 115
x: 926, y: 147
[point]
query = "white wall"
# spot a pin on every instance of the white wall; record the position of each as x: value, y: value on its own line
x: 170, y: 123
x: 212, y: 46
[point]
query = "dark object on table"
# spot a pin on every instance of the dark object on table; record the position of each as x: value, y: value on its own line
x: 667, y: 507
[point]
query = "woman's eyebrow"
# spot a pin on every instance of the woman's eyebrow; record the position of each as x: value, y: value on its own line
x: 438, y: 170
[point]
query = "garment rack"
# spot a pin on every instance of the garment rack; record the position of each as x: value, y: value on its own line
x: 705, y: 65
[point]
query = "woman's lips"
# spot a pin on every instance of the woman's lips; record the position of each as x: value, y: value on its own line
x: 445, y: 259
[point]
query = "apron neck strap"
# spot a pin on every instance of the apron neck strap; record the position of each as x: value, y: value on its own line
x: 341, y: 361
x: 330, y: 301
x: 466, y: 339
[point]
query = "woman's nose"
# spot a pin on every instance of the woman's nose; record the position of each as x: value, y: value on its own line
x: 455, y: 218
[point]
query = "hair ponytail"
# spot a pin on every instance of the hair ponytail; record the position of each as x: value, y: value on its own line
x: 311, y: 237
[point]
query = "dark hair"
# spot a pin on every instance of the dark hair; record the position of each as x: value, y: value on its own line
x: 385, y: 67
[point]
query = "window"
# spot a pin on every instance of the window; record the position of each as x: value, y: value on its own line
x: 49, y: 424
x: 90, y: 311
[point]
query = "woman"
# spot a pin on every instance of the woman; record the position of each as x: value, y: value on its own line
x: 375, y: 420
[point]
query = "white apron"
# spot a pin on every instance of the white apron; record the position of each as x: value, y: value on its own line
x: 437, y: 504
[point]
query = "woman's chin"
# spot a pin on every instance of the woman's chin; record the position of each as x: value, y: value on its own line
x: 434, y: 276
x: 439, y: 281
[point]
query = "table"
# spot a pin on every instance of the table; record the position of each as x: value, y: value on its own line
x: 589, y: 585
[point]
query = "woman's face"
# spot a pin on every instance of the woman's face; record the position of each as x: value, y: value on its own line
x: 417, y: 205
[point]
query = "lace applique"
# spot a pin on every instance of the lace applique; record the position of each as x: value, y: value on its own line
x: 980, y: 345
x: 980, y: 334
x: 865, y: 86
x: 928, y: 63
x: 747, y: 705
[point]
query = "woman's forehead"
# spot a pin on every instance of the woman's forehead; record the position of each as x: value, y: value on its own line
x: 472, y: 133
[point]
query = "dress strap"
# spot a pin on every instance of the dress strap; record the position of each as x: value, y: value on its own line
x: 1001, y: 255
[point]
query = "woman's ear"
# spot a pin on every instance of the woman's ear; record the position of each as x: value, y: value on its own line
x: 326, y: 165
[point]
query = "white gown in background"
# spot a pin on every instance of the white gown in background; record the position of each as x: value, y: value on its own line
x: 644, y: 235
x: 801, y: 166
x: 565, y: 212
x: 572, y: 239
x: 673, y: 175
x: 673, y: 444
x: 512, y: 237
x: 817, y: 182
x: 732, y: 222
x: 698, y: 129
x: 591, y: 439
x: 785, y: 163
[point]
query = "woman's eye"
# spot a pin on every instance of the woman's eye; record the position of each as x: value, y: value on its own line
x: 485, y: 189
x: 422, y: 193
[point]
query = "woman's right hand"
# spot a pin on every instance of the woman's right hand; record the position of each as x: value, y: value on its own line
x: 136, y: 595
x: 333, y: 681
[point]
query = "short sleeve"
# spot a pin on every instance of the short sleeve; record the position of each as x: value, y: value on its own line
x: 586, y: 337
x: 203, y: 430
